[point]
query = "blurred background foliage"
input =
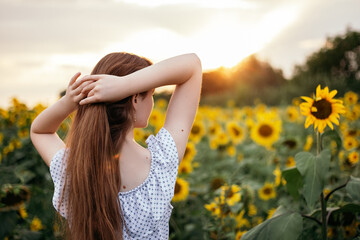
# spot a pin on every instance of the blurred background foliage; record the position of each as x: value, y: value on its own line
x: 227, y: 163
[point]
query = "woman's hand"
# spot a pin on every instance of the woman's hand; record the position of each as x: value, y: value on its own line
x: 74, y: 92
x: 102, y: 88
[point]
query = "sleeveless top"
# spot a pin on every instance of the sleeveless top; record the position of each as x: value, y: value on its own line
x: 147, y: 207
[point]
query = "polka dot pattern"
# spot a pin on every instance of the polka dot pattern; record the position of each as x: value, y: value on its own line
x: 146, y: 208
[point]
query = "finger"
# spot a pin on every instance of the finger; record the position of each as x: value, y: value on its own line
x: 80, y: 88
x: 84, y: 79
x: 73, y: 79
x: 91, y: 93
x: 89, y: 87
x: 79, y: 97
x: 87, y: 100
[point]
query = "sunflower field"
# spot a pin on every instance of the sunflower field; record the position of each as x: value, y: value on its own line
x: 253, y: 172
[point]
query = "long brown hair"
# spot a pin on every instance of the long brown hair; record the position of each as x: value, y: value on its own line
x: 94, y: 142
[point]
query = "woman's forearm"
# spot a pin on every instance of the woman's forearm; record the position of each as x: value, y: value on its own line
x: 172, y: 71
x: 49, y: 120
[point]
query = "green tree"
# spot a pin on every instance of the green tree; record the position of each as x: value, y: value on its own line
x: 336, y: 64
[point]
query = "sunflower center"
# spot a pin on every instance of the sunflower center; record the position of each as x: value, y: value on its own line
x: 177, y: 188
x: 216, y: 183
x: 265, y: 130
x: 324, y: 109
x: 195, y: 129
x: 290, y: 143
x: 267, y: 191
x: 236, y: 132
x: 230, y: 194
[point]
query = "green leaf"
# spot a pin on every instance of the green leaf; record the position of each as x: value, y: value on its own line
x: 279, y: 211
x: 287, y: 226
x: 293, y: 181
x: 314, y: 170
x: 353, y: 188
x: 331, y: 135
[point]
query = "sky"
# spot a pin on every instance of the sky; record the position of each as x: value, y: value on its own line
x: 43, y: 43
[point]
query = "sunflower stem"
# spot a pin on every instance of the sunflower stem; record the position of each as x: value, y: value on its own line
x: 322, y: 199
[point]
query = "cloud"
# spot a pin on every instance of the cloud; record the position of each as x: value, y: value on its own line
x: 319, y: 20
x: 43, y: 43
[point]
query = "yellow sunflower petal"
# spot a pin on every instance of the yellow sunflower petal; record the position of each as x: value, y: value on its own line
x: 316, y: 124
x: 306, y: 104
x: 322, y: 126
x: 329, y: 124
x: 334, y: 119
x: 308, y: 122
x: 309, y: 100
x: 325, y: 91
x: 332, y: 94
x: 318, y: 91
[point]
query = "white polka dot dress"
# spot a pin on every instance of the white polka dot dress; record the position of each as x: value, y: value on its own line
x: 146, y: 208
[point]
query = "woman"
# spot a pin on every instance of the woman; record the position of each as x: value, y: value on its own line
x: 106, y: 185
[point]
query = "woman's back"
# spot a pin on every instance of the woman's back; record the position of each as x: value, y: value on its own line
x: 113, y: 185
x: 146, y: 207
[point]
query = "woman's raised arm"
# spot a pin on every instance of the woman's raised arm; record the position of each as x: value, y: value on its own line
x: 184, y: 71
x: 43, y: 128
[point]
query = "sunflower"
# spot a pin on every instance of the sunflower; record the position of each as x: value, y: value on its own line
x: 157, y: 119
x: 197, y: 131
x: 350, y: 98
x: 353, y: 157
x: 277, y: 173
x: 322, y: 110
x: 181, y: 190
x: 161, y: 103
x: 213, y: 144
x: 237, y: 133
x: 138, y: 134
x: 241, y: 221
x: 350, y: 142
x: 185, y: 167
x: 296, y: 101
x: 190, y: 152
x: 36, y: 224
x: 221, y: 139
x: 214, y: 129
x: 348, y: 161
x: 239, y: 234
x: 352, y: 113
x: 308, y: 143
x: 22, y: 211
x: 267, y: 191
x: 326, y: 191
x: 232, y: 195
x: 213, y: 208
x: 216, y: 183
x: 350, y: 231
x: 271, y: 212
x: 331, y: 232
x: 252, y: 210
x: 266, y: 132
x: 292, y: 113
x: 290, y: 162
x: 231, y: 150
